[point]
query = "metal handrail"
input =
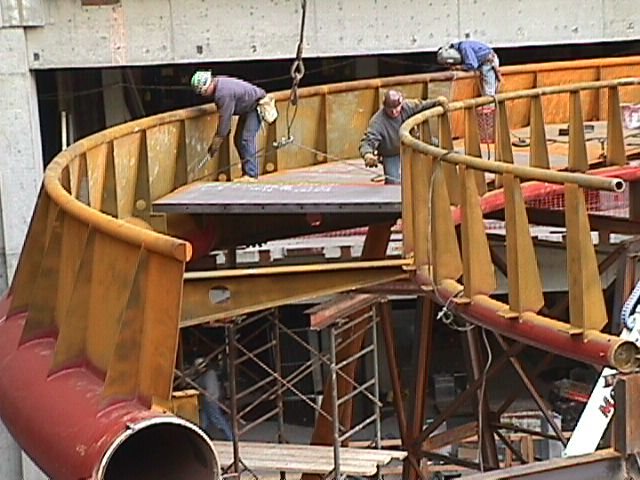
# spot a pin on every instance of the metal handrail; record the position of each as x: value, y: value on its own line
x: 524, y: 172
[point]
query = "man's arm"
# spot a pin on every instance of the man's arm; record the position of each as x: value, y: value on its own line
x: 369, y: 141
x: 225, y: 112
x: 368, y: 146
x: 417, y: 106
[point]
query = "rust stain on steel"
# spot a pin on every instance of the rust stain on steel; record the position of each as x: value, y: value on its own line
x: 329, y: 312
x: 601, y: 464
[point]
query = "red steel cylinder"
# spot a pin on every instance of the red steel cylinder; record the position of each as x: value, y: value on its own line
x: 69, y: 432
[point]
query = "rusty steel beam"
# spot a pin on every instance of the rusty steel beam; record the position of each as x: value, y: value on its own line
x: 424, y: 320
x: 528, y: 382
x: 478, y: 360
x: 496, y: 367
x: 222, y: 295
x: 601, y: 464
x: 327, y: 313
x: 626, y: 432
x: 515, y: 392
x: 386, y: 321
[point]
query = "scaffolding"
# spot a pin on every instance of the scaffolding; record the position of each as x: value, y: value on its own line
x: 261, y: 380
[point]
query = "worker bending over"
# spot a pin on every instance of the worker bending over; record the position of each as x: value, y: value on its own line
x: 474, y: 56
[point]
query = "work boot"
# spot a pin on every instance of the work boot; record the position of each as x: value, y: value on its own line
x: 246, y: 179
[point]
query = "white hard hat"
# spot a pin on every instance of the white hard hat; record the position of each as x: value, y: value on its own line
x: 201, y: 80
x: 448, y: 55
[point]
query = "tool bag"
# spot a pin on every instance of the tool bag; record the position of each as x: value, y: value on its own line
x: 267, y: 109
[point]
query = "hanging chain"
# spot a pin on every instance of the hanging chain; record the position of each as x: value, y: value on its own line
x: 297, y: 68
x: 297, y: 72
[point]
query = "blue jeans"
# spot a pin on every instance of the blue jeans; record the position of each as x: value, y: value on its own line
x: 489, y: 77
x: 391, y: 167
x: 245, y: 141
x: 212, y: 415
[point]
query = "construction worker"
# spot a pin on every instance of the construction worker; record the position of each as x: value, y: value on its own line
x: 233, y: 96
x: 381, y: 141
x: 211, y: 413
x: 473, y: 56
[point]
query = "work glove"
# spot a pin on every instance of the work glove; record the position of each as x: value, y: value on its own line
x: 441, y: 100
x: 370, y: 160
x: 215, y: 145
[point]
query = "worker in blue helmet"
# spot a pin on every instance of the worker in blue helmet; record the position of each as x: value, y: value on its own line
x: 472, y: 55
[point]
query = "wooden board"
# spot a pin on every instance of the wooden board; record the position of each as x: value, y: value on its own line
x: 259, y: 456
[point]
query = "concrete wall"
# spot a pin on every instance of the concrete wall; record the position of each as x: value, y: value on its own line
x: 182, y: 31
x: 21, y: 158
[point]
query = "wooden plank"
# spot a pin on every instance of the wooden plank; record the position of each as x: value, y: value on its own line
x: 317, y: 450
x: 306, y: 458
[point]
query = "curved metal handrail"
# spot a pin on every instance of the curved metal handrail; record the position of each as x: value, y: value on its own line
x: 460, y: 271
x: 523, y: 172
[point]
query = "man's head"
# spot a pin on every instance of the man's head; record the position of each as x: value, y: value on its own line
x: 392, y: 103
x: 200, y: 362
x: 201, y: 82
x: 448, y: 55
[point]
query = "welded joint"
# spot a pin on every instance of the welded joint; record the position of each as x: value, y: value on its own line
x: 508, y: 314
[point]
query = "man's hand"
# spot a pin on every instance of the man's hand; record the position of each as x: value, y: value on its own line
x: 442, y: 100
x: 215, y: 145
x: 370, y: 160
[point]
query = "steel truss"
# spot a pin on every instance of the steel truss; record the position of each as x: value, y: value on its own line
x: 421, y: 440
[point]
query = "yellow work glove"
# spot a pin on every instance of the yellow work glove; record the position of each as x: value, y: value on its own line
x: 444, y: 101
x: 215, y: 145
x: 370, y: 160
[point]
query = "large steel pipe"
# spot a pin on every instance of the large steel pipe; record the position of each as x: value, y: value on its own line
x: 61, y: 420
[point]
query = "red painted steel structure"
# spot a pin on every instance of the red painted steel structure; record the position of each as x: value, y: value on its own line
x: 86, y: 438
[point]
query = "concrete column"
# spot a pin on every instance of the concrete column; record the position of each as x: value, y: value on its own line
x: 21, y: 167
x: 31, y: 470
x: 20, y: 148
x: 10, y: 464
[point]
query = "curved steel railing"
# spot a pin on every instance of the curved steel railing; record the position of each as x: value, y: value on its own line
x: 436, y: 177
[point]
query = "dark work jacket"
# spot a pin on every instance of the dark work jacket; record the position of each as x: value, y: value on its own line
x: 233, y: 96
x: 383, y: 133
